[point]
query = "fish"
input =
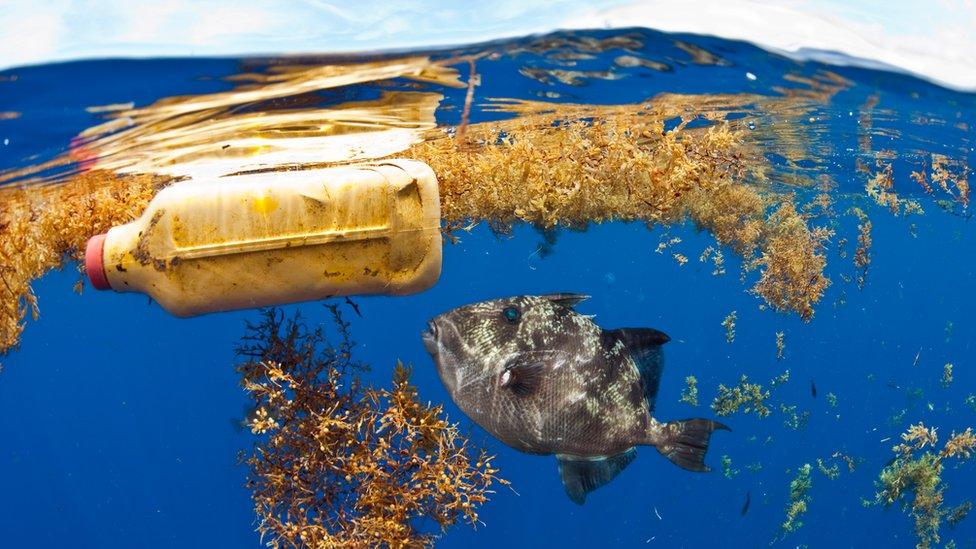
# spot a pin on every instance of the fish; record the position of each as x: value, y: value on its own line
x: 813, y: 388
x: 745, y: 506
x: 547, y: 380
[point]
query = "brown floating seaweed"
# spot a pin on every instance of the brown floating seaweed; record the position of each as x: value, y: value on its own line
x: 729, y: 325
x: 337, y: 464
x: 792, y: 263
x: 555, y: 164
x: 862, y: 256
x: 914, y: 479
x: 799, y: 500
x: 880, y: 187
x: 572, y: 165
x: 43, y: 227
x: 751, y: 397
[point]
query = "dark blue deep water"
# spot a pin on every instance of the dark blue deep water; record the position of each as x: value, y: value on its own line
x: 119, y: 423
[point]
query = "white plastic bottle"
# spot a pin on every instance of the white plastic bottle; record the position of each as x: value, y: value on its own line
x: 281, y: 237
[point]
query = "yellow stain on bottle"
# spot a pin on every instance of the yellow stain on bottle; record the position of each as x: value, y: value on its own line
x: 264, y: 204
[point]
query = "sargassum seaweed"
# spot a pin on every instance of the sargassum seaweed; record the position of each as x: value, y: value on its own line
x: 799, y: 500
x: 572, y: 165
x: 337, y: 464
x: 689, y: 394
x: 553, y: 165
x: 42, y: 228
x: 914, y: 479
x: 751, y: 397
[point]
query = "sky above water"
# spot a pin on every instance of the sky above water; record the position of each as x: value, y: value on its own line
x: 930, y: 39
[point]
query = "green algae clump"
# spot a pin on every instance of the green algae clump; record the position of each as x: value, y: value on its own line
x: 914, y: 480
x: 340, y: 464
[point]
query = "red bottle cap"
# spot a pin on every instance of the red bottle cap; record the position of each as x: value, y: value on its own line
x: 95, y: 263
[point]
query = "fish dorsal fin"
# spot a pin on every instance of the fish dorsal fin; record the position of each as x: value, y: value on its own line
x: 581, y: 476
x: 566, y: 299
x: 644, y: 345
x: 522, y: 376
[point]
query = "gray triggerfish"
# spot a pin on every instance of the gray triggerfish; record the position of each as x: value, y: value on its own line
x: 545, y: 379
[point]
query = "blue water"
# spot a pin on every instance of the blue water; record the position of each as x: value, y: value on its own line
x: 118, y: 421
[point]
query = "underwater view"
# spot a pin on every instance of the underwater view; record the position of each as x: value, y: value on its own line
x: 592, y: 288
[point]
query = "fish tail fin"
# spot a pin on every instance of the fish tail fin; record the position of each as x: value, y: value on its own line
x: 685, y: 442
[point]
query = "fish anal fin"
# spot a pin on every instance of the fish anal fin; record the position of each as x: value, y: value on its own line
x: 581, y: 476
x: 644, y: 345
x: 685, y: 442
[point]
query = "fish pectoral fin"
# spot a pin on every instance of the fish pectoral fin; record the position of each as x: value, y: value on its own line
x: 581, y: 476
x: 522, y: 378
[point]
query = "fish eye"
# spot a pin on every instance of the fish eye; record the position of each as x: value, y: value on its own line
x: 511, y: 314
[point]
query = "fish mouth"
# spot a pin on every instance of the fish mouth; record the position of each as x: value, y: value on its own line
x: 429, y: 336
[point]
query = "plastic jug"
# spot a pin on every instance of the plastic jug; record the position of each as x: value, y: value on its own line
x: 272, y: 238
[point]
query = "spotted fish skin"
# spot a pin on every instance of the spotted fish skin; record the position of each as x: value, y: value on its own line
x: 544, y: 379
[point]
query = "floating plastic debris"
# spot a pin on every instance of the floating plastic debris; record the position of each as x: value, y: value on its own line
x: 268, y: 239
